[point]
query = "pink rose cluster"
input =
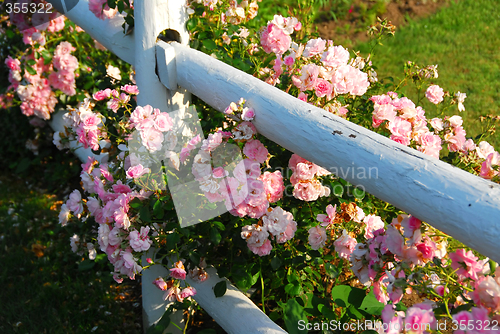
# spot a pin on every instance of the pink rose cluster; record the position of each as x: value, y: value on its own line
x: 406, y: 122
x: 37, y: 98
x: 119, y: 236
x: 325, y: 69
x: 66, y: 64
x: 172, y: 288
x: 408, y: 125
x: 239, y: 12
x: 486, y: 290
x: 304, y: 179
x: 101, y: 9
x: 243, y: 190
x: 276, y: 223
x: 83, y: 125
x: 328, y: 72
x: 486, y: 153
x: 402, y: 239
x: 276, y: 36
x: 345, y: 244
x: 246, y: 114
x: 151, y: 124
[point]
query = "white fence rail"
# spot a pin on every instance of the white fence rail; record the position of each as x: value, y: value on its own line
x: 452, y: 200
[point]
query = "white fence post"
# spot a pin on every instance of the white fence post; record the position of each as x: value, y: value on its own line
x: 151, y: 18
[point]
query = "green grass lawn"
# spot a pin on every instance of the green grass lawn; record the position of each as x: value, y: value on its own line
x: 464, y: 40
x: 44, y: 290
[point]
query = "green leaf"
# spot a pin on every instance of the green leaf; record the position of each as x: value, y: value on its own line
x: 371, y: 305
x: 120, y: 6
x: 194, y: 257
x: 144, y: 214
x: 172, y: 240
x: 331, y: 270
x: 354, y: 312
x: 192, y: 23
x: 220, y: 289
x: 340, y: 295
x: 158, y: 209
x: 337, y: 189
x: 294, y: 313
x: 31, y: 62
x: 219, y: 225
x: 293, y: 289
x: 112, y: 4
x: 402, y: 307
x: 241, y: 277
x: 327, y: 311
x: 215, y: 236
x: 209, y: 44
x: 275, y: 263
x: 30, y: 70
x: 162, y: 324
x: 135, y: 203
x: 23, y: 165
x: 86, y: 265
x: 359, y: 193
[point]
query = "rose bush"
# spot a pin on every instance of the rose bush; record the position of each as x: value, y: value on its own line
x: 322, y: 249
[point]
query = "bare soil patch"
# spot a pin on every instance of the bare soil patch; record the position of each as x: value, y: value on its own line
x: 351, y: 25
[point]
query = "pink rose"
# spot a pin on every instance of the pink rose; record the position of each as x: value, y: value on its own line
x: 263, y: 250
x: 323, y: 88
x: 487, y: 167
x: 178, y: 271
x: 163, y: 122
x: 308, y: 191
x: 466, y: 264
x: 247, y: 114
x: 140, y: 242
x: 419, y: 319
x: 188, y: 292
x: 335, y: 56
x: 160, y: 284
x: 136, y: 171
x: 102, y: 94
x: 345, y: 245
x: 434, y: 94
x: 373, y: 223
x: 314, y: 47
x: 273, y: 185
x: 130, y: 89
x: 317, y: 237
x: 255, y: 150
x: 274, y: 39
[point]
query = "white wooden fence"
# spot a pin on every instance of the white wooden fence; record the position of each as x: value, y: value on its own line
x: 450, y: 199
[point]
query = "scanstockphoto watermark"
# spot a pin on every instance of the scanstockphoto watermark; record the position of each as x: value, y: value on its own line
x: 358, y: 173
x: 335, y: 325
